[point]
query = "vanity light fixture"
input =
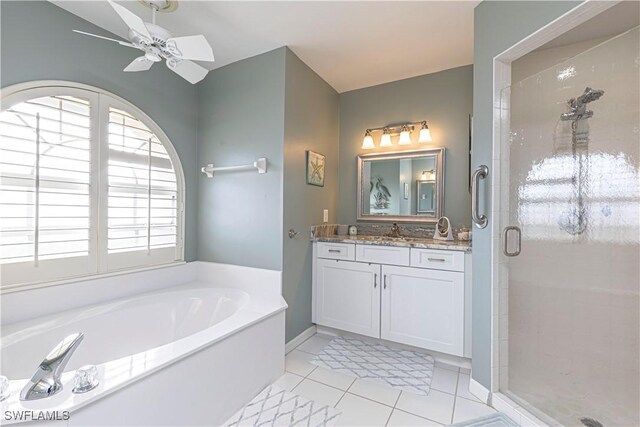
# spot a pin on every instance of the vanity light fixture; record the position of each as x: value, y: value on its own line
x: 428, y: 175
x: 404, y: 130
x: 385, y: 140
x: 367, y: 143
x: 425, y: 134
x: 405, y: 139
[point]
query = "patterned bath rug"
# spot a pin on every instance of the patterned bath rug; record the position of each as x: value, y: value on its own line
x: 401, y: 369
x: 277, y: 407
x: 494, y: 420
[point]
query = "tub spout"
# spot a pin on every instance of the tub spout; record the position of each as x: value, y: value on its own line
x: 46, y: 381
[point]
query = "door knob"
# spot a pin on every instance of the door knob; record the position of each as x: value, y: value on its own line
x: 292, y: 233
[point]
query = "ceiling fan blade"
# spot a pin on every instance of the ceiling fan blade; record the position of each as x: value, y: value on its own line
x: 188, y: 70
x: 139, y: 64
x: 106, y: 38
x: 195, y: 48
x: 132, y: 20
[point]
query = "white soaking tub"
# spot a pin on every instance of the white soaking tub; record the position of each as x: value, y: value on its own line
x: 186, y: 355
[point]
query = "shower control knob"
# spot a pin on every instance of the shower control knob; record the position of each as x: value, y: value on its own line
x: 4, y: 388
x: 85, y: 379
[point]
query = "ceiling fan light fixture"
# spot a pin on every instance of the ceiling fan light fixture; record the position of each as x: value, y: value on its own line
x: 153, y: 56
x: 158, y: 44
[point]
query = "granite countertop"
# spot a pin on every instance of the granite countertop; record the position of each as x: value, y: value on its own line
x: 410, y: 242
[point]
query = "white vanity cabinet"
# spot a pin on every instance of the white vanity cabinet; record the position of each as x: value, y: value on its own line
x: 423, y: 308
x: 413, y: 296
x: 348, y: 296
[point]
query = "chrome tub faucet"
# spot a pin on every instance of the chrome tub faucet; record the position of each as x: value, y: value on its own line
x: 47, y: 380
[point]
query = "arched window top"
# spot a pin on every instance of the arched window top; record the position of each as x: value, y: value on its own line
x: 89, y: 184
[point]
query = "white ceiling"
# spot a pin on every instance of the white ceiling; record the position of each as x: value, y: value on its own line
x: 350, y: 44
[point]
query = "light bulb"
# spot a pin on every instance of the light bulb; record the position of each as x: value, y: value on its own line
x: 405, y: 138
x: 385, y: 140
x: 425, y: 133
x: 367, y: 142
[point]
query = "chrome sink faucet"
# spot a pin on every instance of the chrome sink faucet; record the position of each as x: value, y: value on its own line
x: 395, y: 230
x: 47, y: 379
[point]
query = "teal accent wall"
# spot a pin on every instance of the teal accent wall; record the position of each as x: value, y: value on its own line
x: 498, y: 25
x: 38, y: 44
x: 271, y: 105
x: 241, y: 118
x: 311, y: 123
x: 444, y: 99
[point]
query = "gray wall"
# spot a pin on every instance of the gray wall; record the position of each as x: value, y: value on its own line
x: 241, y: 118
x: 498, y: 25
x: 444, y: 99
x: 311, y: 123
x: 38, y: 44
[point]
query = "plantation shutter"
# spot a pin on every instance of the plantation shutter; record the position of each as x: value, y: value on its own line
x: 46, y: 184
x: 88, y: 185
x: 142, y: 194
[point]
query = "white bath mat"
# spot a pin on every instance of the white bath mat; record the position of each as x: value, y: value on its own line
x: 402, y: 369
x: 277, y: 407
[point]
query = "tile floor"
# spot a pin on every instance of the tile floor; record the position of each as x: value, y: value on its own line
x: 364, y: 403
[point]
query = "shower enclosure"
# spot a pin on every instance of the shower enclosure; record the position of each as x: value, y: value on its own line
x: 569, y: 261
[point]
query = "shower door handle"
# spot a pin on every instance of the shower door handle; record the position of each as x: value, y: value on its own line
x: 505, y: 241
x: 480, y: 220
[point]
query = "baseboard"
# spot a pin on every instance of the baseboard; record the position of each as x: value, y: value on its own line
x: 479, y: 391
x: 305, y: 335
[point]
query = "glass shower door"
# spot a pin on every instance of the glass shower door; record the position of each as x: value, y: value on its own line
x: 570, y: 207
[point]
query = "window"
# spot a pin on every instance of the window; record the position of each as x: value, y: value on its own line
x: 88, y: 184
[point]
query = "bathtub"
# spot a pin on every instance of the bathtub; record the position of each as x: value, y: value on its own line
x: 190, y: 354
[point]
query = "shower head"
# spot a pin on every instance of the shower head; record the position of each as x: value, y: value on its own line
x: 588, y: 96
x: 578, y: 105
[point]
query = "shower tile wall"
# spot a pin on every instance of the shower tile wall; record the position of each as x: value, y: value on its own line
x: 572, y: 300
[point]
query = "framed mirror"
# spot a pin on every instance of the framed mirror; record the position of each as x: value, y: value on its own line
x: 406, y: 186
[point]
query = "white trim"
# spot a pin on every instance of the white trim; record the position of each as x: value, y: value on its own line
x: 295, y: 342
x: 516, y: 412
x: 501, y: 79
x: 100, y: 101
x: 479, y: 391
x: 8, y: 289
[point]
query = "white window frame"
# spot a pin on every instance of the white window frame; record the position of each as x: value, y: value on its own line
x: 104, y: 264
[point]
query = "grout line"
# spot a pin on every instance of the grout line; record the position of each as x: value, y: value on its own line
x: 340, y: 400
x: 389, y: 417
x: 319, y: 382
x: 307, y: 376
x: 397, y: 399
x: 419, y: 416
x: 455, y: 398
x: 371, y: 400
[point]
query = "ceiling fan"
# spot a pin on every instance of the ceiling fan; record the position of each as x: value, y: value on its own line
x: 157, y: 43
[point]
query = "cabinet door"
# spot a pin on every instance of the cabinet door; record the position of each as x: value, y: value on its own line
x: 424, y: 308
x: 348, y: 296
